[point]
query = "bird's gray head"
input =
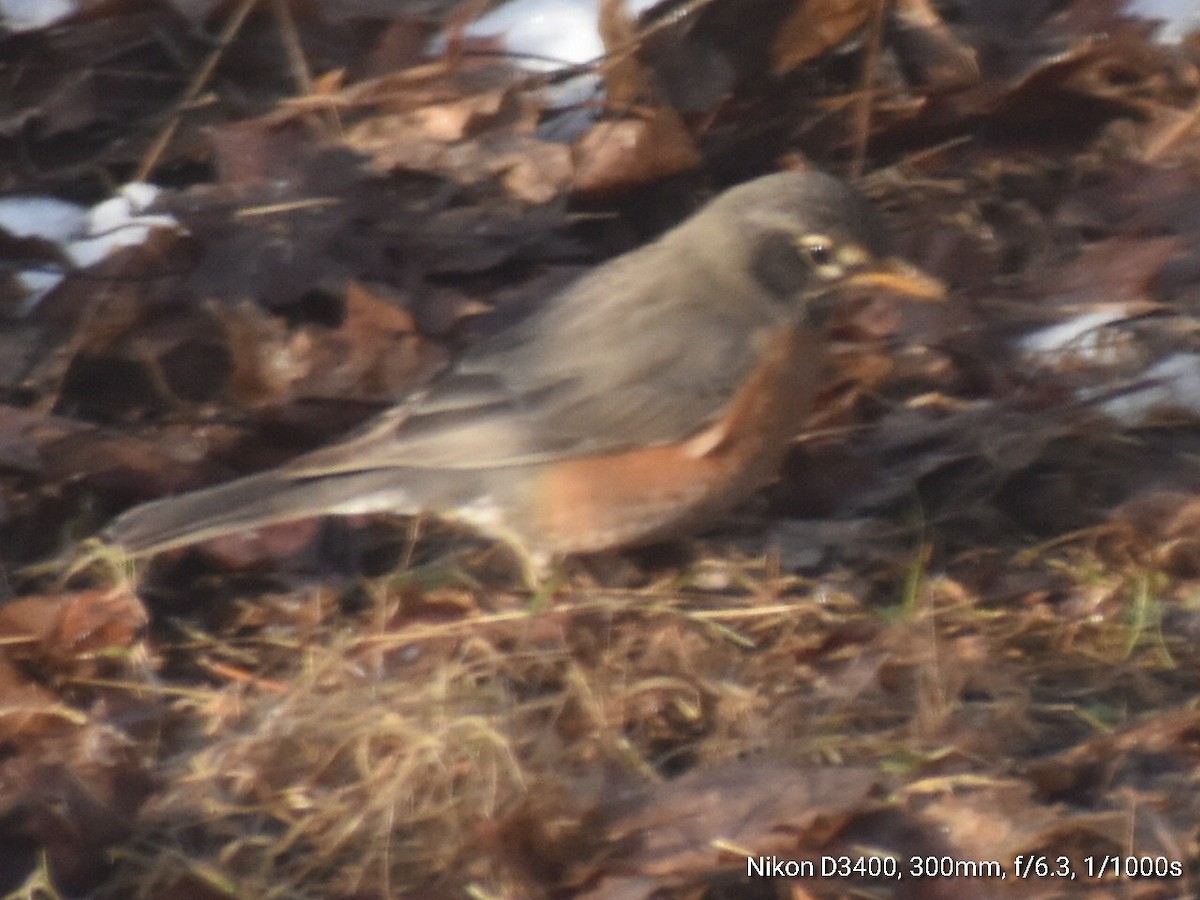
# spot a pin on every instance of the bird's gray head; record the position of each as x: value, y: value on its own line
x: 801, y: 235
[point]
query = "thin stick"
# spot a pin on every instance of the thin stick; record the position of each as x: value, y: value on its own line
x: 861, y: 126
x: 198, y: 83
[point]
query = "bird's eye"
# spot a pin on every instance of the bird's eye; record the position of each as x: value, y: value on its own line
x: 822, y: 255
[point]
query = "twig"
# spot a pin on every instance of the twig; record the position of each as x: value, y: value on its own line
x: 198, y: 83
x: 861, y: 126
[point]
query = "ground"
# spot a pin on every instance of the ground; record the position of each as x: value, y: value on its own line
x: 952, y: 652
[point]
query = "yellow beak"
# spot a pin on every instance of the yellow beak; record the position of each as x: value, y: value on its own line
x: 904, y: 278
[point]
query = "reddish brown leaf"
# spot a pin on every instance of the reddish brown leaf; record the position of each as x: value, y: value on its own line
x: 815, y: 27
x: 617, y: 155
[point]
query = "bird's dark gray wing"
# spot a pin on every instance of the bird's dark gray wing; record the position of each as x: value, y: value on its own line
x: 625, y: 358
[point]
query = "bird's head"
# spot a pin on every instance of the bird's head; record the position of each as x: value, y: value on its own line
x: 805, y: 236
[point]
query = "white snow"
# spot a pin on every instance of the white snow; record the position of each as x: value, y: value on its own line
x: 41, y: 217
x: 546, y: 36
x: 85, y: 236
x: 1170, y: 385
x: 1079, y: 336
x: 29, y: 15
x: 117, y: 222
x: 1179, y: 17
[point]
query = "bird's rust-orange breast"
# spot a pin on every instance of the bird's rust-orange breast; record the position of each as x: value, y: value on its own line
x: 595, y: 502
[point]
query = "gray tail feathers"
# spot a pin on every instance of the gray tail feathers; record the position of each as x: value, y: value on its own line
x: 266, y: 499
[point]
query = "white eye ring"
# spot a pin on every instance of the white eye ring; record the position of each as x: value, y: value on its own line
x: 823, y: 255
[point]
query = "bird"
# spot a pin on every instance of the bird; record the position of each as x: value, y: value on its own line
x: 644, y: 400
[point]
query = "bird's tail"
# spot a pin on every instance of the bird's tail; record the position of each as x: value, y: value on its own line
x: 269, y: 498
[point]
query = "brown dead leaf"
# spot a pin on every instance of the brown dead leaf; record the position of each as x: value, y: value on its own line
x: 375, y: 354
x: 62, y: 630
x: 617, y: 155
x: 676, y: 830
x: 402, y: 46
x: 92, y: 621
x: 460, y: 119
x: 1171, y: 738
x: 625, y: 78
x: 536, y: 171
x: 1114, y: 271
x: 23, y: 434
x: 254, y: 151
x: 166, y: 461
x: 472, y: 140
x: 933, y: 57
x: 815, y: 27
x: 267, y: 360
x: 1159, y: 527
x: 30, y: 710
x: 74, y: 795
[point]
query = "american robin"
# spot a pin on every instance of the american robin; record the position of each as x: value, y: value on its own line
x: 654, y: 393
